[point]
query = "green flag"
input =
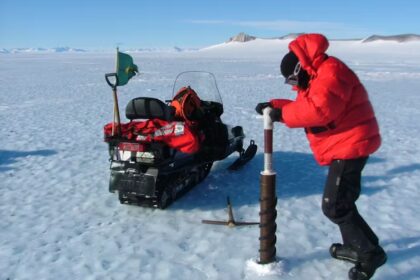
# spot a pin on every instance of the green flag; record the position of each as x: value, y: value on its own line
x: 126, y: 69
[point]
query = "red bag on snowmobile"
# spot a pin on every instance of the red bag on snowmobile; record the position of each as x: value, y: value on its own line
x: 177, y: 135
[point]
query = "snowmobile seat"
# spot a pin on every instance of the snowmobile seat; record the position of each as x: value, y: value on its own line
x: 149, y: 108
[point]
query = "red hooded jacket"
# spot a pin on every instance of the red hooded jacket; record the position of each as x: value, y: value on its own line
x: 335, y: 109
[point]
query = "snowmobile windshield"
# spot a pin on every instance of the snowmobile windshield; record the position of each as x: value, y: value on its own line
x: 203, y: 83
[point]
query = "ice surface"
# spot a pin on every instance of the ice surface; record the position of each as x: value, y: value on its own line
x: 58, y: 220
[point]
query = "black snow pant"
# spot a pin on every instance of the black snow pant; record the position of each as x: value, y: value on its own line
x: 342, y: 189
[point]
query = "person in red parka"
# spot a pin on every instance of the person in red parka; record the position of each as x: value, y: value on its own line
x: 334, y: 109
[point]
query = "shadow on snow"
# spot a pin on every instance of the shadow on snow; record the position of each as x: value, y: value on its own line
x: 298, y: 175
x: 403, y: 250
x: 8, y: 158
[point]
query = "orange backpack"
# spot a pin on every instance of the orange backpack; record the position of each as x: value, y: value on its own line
x: 186, y: 102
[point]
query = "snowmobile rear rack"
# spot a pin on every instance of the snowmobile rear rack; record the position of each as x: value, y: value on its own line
x: 231, y: 221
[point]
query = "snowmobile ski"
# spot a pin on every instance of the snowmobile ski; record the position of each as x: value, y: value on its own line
x: 245, y: 156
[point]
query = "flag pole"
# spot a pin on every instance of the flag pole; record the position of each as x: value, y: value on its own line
x: 116, y: 118
x: 116, y: 122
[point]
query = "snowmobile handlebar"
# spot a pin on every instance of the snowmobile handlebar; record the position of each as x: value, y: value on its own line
x: 108, y: 81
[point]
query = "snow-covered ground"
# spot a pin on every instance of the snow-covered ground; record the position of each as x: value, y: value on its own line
x: 58, y: 220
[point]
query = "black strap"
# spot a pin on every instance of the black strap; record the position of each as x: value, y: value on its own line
x: 319, y: 129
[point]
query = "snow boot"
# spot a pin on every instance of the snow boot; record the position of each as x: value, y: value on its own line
x: 368, y: 264
x: 343, y: 252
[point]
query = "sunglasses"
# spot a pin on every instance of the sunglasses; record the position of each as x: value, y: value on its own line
x: 293, y: 78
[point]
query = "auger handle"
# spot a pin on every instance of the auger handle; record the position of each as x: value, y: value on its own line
x: 268, y: 142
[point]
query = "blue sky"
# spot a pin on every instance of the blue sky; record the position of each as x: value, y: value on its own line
x: 105, y: 24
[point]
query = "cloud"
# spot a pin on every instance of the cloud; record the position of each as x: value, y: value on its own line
x: 207, y: 21
x: 289, y: 26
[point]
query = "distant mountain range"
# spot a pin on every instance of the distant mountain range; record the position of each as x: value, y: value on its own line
x: 42, y: 50
x: 173, y: 49
x: 241, y: 37
x: 396, y: 38
x: 74, y: 50
x: 402, y: 38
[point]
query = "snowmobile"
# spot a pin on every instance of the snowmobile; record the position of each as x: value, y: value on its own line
x: 146, y: 165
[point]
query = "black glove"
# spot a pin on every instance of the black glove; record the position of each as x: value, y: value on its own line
x: 261, y: 106
x: 276, y: 115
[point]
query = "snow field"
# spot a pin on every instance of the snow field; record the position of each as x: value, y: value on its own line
x: 59, y: 221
